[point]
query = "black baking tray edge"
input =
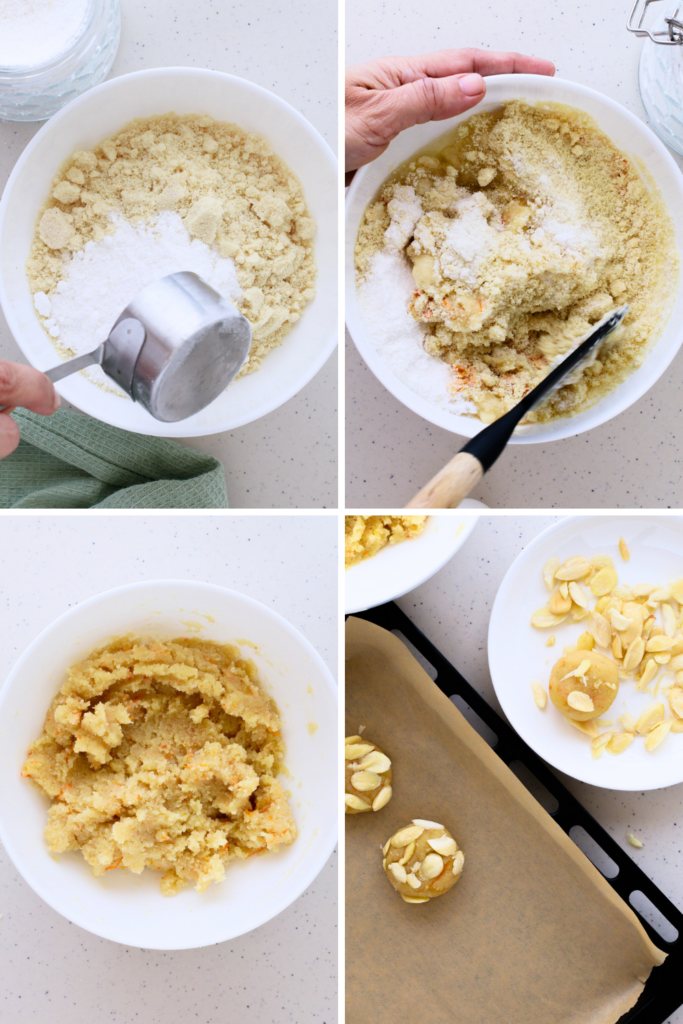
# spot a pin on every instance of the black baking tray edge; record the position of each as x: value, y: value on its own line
x: 663, y: 992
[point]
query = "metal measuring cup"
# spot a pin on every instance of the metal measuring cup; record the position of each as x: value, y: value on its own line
x: 174, y: 348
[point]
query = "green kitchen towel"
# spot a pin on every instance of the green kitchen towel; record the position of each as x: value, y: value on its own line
x: 69, y: 460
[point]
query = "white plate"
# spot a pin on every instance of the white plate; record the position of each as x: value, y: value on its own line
x: 102, y: 112
x: 129, y: 908
x: 518, y: 652
x: 398, y: 568
x: 630, y: 134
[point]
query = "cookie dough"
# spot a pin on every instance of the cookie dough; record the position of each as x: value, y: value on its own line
x: 583, y: 684
x: 522, y: 228
x: 366, y: 535
x: 422, y: 861
x: 368, y: 776
x: 163, y: 755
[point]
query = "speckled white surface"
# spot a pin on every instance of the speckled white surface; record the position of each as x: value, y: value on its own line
x: 52, y: 970
x: 453, y: 608
x: 287, y: 459
x: 631, y: 462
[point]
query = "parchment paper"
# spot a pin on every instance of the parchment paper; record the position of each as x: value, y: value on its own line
x: 531, y: 934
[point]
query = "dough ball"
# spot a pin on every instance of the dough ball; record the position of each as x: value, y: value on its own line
x: 583, y: 684
x: 422, y: 861
x: 368, y: 776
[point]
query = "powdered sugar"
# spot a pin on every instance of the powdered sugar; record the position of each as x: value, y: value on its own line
x: 35, y: 32
x: 383, y: 298
x: 103, y: 277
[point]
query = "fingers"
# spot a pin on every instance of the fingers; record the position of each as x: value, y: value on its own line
x: 22, y: 385
x: 432, y: 99
x: 9, y: 435
x: 444, y: 63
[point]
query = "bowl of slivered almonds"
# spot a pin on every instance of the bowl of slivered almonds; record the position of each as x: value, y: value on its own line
x: 585, y: 649
x: 388, y: 555
x: 480, y: 249
x: 168, y: 759
x: 166, y: 170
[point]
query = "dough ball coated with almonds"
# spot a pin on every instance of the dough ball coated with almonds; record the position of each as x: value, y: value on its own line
x: 583, y: 684
x: 367, y: 776
x: 422, y: 861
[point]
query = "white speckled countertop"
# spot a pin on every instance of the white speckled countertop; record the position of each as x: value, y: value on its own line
x: 54, y: 971
x: 287, y: 459
x: 452, y: 609
x: 632, y: 461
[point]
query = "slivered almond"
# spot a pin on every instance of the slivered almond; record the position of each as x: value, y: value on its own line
x: 634, y: 655
x: 399, y: 872
x: 410, y: 850
x: 355, y: 802
x: 550, y: 642
x: 413, y: 881
x: 617, y: 649
x: 604, y: 582
x: 580, y: 701
x: 677, y: 591
x: 573, y: 569
x: 656, y: 735
x: 650, y: 718
x: 657, y: 644
x: 355, y: 750
x: 579, y: 671
x: 663, y: 659
x: 661, y: 594
x: 668, y: 619
x: 599, y: 743
x: 415, y: 899
x: 382, y: 798
x: 619, y: 743
x: 352, y: 739
x: 559, y: 605
x: 445, y: 845
x: 649, y: 672
x: 623, y: 550
x: 648, y: 626
x: 619, y: 621
x: 549, y: 570
x: 540, y: 696
x: 365, y: 781
x: 458, y: 862
x: 601, y: 562
x: 431, y: 866
x: 577, y: 595
x: 628, y: 722
x: 599, y: 628
x: 588, y: 728
x: 424, y: 823
x: 634, y: 841
x: 375, y: 761
x: 585, y: 642
x: 544, y: 618
x: 406, y: 835
x: 643, y: 589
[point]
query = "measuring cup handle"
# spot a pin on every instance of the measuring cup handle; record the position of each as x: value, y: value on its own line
x: 74, y: 365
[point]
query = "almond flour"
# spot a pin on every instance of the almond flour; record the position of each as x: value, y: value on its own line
x: 522, y: 229
x: 234, y: 195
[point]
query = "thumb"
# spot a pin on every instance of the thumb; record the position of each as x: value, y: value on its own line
x: 433, y: 99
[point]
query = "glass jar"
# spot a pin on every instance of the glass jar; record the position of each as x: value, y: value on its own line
x: 34, y: 93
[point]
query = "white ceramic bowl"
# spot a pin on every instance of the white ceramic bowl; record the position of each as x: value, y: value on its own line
x: 102, y: 112
x: 630, y: 134
x: 398, y: 568
x: 518, y: 652
x: 129, y: 908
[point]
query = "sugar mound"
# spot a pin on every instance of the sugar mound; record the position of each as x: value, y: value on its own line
x: 103, y: 277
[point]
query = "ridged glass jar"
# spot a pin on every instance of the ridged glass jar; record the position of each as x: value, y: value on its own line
x: 660, y: 80
x: 36, y: 93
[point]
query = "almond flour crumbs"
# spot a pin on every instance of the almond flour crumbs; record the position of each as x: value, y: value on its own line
x: 520, y: 230
x: 163, y: 755
x: 366, y: 535
x: 183, y: 193
x: 638, y: 648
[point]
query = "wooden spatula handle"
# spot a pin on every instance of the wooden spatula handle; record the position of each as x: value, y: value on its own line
x: 451, y: 484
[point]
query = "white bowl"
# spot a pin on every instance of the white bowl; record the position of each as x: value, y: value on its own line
x: 518, y: 652
x: 129, y: 908
x: 629, y: 134
x: 102, y: 112
x: 398, y: 568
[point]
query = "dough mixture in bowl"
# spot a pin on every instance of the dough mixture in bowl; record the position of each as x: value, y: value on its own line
x: 171, y: 193
x: 366, y: 535
x: 163, y: 755
x: 521, y: 229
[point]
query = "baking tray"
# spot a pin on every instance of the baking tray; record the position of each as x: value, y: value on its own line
x: 663, y: 991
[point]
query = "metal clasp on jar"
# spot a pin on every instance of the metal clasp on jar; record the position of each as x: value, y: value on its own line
x: 672, y: 35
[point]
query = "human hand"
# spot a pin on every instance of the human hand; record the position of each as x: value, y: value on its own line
x: 22, y: 385
x: 385, y: 96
